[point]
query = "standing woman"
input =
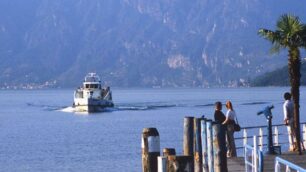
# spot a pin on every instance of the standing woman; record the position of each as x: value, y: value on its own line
x: 229, y: 121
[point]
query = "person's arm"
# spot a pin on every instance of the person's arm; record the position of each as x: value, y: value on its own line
x: 226, y: 121
x: 226, y: 118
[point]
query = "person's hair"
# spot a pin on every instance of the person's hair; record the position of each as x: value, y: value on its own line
x: 287, y: 96
x: 229, y: 105
x: 218, y: 105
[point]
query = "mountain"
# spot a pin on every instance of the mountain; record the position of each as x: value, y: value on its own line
x: 129, y: 43
x: 278, y: 77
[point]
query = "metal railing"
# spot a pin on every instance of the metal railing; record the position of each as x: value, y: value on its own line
x: 253, y: 162
x: 288, y: 165
x: 279, y: 134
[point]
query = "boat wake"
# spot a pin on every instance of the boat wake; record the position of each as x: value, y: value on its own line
x: 46, y: 107
x: 134, y: 107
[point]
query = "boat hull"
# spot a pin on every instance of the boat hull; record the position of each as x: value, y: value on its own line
x: 91, y: 105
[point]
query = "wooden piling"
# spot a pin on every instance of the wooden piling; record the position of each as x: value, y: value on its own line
x: 209, y: 146
x: 150, y: 149
x: 169, y: 151
x: 219, y: 148
x: 180, y: 164
x: 204, y: 145
x: 188, y: 136
x: 197, y: 145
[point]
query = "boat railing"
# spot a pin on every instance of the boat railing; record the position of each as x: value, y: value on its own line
x: 289, y: 166
x: 280, y: 136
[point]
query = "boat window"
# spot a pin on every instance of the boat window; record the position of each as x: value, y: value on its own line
x: 86, y: 85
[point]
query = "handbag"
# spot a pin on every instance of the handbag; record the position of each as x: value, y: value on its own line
x: 236, y: 125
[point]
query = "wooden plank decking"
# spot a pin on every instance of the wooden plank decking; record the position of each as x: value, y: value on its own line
x: 237, y: 164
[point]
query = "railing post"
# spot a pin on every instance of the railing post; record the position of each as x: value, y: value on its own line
x: 245, y: 137
x: 210, y: 146
x: 260, y: 139
x: 277, y: 166
x: 304, y: 134
x: 245, y: 158
x: 204, y: 144
x: 276, y: 134
x: 255, y: 154
x: 288, y: 168
x: 197, y: 145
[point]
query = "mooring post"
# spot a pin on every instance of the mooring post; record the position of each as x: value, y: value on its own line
x: 188, y: 136
x: 163, y: 160
x: 169, y: 151
x: 197, y: 145
x: 216, y: 147
x: 180, y: 163
x: 204, y: 145
x: 210, y: 157
x: 150, y: 145
x: 222, y: 143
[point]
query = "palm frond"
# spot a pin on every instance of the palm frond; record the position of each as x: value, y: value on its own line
x: 267, y: 34
x: 272, y: 36
x: 289, y: 26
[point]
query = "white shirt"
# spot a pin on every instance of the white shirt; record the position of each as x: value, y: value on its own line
x: 288, y: 109
x: 230, y: 114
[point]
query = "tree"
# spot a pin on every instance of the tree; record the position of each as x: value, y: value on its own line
x: 290, y: 34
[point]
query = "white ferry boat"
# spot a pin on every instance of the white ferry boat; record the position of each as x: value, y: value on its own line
x: 92, y: 97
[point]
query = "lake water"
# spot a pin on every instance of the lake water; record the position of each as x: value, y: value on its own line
x: 38, y: 132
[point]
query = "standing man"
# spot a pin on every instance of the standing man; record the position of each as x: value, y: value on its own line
x: 288, y: 119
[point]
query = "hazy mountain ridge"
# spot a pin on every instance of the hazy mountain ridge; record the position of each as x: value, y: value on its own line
x: 137, y: 42
x: 278, y: 77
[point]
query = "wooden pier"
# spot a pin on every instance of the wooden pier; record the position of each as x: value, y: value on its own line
x: 204, y: 150
x: 237, y: 164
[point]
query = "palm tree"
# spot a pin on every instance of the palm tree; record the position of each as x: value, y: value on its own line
x: 290, y: 34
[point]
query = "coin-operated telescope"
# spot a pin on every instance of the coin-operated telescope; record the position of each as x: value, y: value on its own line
x: 267, y: 111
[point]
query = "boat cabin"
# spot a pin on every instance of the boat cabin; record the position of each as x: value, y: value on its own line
x: 92, y: 81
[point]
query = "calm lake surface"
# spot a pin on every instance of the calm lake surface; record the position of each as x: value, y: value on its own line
x: 39, y: 131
